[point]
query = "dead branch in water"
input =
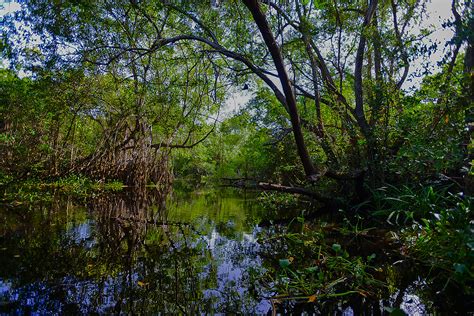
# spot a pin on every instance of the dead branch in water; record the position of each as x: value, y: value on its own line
x: 294, y: 190
x: 254, y: 184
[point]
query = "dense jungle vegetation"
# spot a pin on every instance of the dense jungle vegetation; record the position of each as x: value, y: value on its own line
x: 343, y: 112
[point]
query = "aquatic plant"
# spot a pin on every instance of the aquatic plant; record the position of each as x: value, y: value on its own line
x: 310, y: 265
x: 445, y: 245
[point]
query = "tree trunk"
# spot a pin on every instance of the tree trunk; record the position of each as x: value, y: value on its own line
x: 274, y: 50
x: 364, y: 126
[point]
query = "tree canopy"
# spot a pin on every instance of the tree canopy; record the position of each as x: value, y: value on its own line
x: 135, y: 80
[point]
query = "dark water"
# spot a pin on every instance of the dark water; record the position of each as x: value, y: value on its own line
x: 121, y: 254
x: 126, y: 253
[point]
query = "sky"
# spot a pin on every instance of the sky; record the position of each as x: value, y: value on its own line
x: 7, y: 6
x: 438, y: 12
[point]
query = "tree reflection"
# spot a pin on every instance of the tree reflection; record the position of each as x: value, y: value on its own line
x: 125, y: 253
x: 134, y: 253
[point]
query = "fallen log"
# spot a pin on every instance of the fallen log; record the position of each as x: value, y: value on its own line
x: 253, y: 184
x: 295, y: 190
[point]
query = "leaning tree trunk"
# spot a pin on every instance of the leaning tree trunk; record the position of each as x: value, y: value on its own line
x: 270, y: 42
x: 374, y: 172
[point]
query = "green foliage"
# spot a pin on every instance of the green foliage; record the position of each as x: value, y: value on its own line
x: 439, y: 233
x: 34, y: 191
x: 408, y: 204
x: 313, y: 269
x: 133, y: 90
x: 238, y: 149
x: 431, y: 128
x: 120, y: 89
x: 445, y: 245
x: 279, y: 202
x: 42, y: 131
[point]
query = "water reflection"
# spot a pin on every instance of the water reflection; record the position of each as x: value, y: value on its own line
x: 127, y: 253
x: 194, y: 253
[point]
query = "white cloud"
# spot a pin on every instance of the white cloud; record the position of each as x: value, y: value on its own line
x: 7, y: 6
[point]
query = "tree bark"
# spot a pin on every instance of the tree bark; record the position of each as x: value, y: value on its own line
x: 274, y: 50
x: 359, y: 98
x: 364, y: 126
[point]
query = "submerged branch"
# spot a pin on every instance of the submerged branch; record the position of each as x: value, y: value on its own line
x: 296, y: 190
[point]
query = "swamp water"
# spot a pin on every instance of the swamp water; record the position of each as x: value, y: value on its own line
x: 123, y: 253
